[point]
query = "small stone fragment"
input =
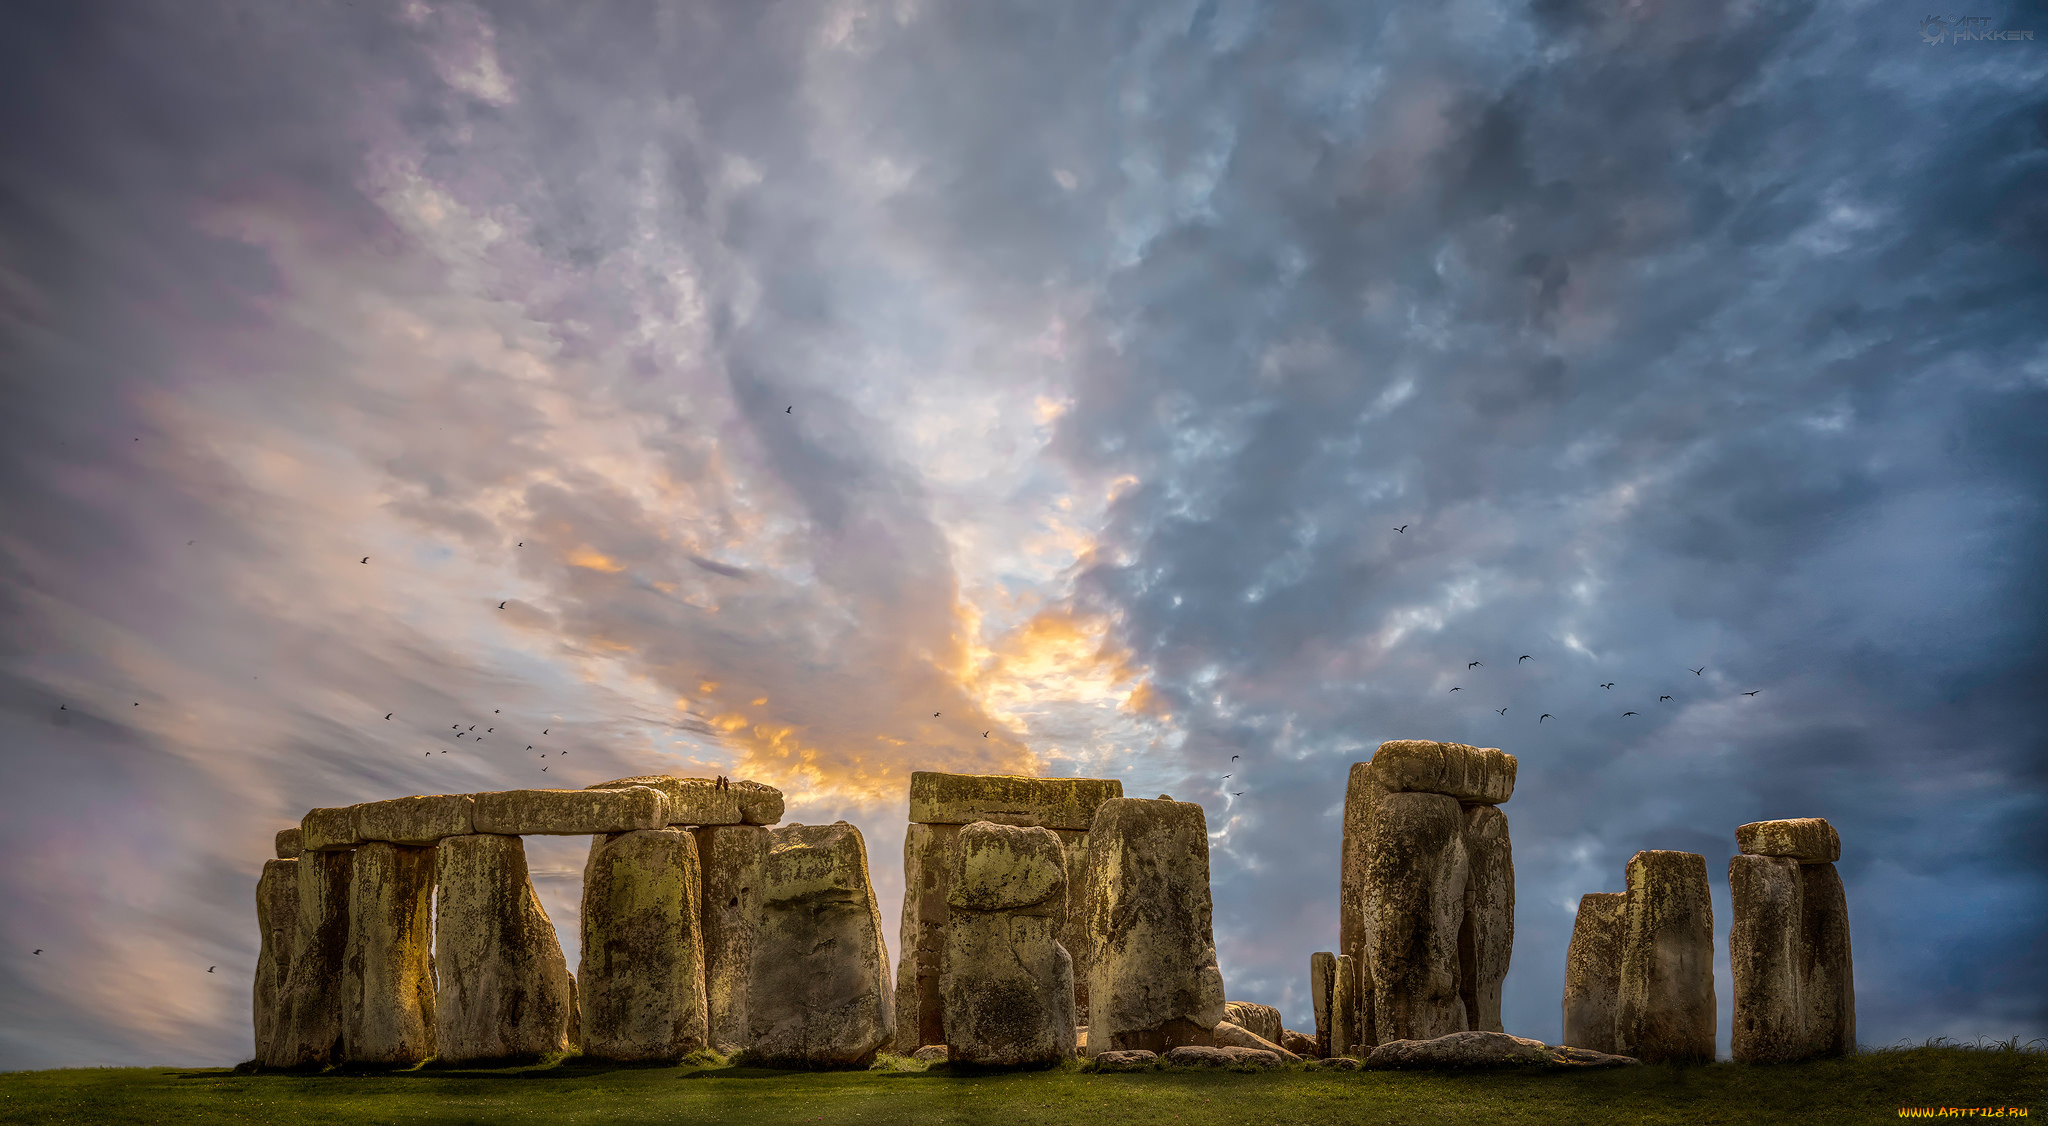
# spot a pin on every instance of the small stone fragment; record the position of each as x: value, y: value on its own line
x: 1485, y: 1050
x: 1053, y: 803
x: 1196, y: 1055
x: 288, y: 843
x: 689, y: 801
x: 641, y: 981
x: 1300, y: 1043
x: 818, y: 994
x: 1664, y: 1010
x: 505, y: 989
x: 415, y: 821
x: 931, y: 1053
x: 1469, y: 774
x: 570, y: 812
x: 388, y: 979
x: 1592, y: 971
x: 1136, y: 1059
x: 1809, y: 840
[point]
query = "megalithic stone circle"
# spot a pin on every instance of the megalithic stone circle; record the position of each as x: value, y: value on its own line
x: 641, y: 980
x: 504, y: 984
x: 818, y: 991
x: 1665, y: 1008
x: 388, y: 973
x: 1007, y: 983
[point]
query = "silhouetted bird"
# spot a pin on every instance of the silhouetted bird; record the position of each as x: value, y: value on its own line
x: 1523, y: 657
x: 985, y: 733
x: 529, y: 746
x: 935, y: 715
x: 543, y: 770
x: 521, y: 543
x: 1226, y: 777
x: 494, y: 711
x: 38, y: 951
x: 1752, y: 693
x: 1697, y: 671
x: 138, y: 703
x: 1503, y: 711
x: 543, y: 731
x: 366, y: 559
x: 387, y: 715
x: 210, y: 969
x: 1238, y: 794
x: 1609, y: 684
x: 1234, y: 758
x: 1661, y: 699
x: 789, y: 409
x: 1471, y: 665
x: 1625, y: 715
x: 501, y: 605
x: 1403, y: 529
x: 1457, y: 689
x: 1541, y: 718
x: 62, y: 708
x: 472, y: 727
x: 488, y: 730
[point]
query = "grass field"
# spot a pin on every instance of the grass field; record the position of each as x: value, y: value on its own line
x: 1864, y: 1088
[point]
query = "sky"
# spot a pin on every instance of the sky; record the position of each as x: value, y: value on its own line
x: 817, y: 391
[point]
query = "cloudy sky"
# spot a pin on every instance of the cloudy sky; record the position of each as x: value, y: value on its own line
x: 793, y: 371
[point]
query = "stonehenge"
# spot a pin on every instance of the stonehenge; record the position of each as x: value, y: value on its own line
x: 505, y: 992
x: 1426, y: 900
x: 818, y: 983
x: 1788, y: 948
x: 1639, y: 974
x: 1005, y: 983
x: 640, y: 987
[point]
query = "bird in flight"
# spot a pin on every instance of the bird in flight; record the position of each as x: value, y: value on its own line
x: 1234, y: 758
x: 935, y: 715
x: 388, y: 715
x: 543, y: 731
x: 1238, y: 794
x: 487, y: 730
x: 1609, y: 684
x: 472, y: 727
x: 1697, y: 671
x: 1226, y: 776
x: 366, y: 559
x: 529, y: 746
x: 62, y: 708
x: 501, y: 605
x: 1457, y: 689
x: 1502, y: 711
x: 210, y: 969
x: 38, y: 951
x: 1625, y: 715
x: 1661, y: 699
x: 1470, y: 665
x: 1523, y: 657
x: 1541, y: 718
x: 1403, y: 529
x: 543, y: 770
x: 985, y: 733
x: 494, y: 711
x: 1752, y: 693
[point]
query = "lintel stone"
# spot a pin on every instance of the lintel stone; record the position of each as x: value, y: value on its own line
x: 1809, y: 840
x: 329, y: 829
x: 416, y: 820
x: 691, y: 801
x: 571, y: 812
x: 1053, y: 803
x: 1470, y: 774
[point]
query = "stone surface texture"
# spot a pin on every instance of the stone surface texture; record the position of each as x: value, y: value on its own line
x: 641, y: 980
x: 1486, y: 936
x: 1345, y: 1037
x: 1263, y: 1020
x: 1199, y: 1055
x: 277, y: 926
x: 689, y: 801
x: 1006, y: 984
x: 1763, y: 959
x: 1809, y: 840
x: 1415, y: 879
x: 931, y: 1053
x: 504, y: 984
x: 1153, y: 980
x: 1136, y: 1059
x: 760, y: 803
x: 818, y: 993
x: 288, y: 843
x: 1230, y: 1035
x: 1484, y: 1050
x: 415, y: 821
x: 1470, y: 774
x: 921, y: 935
x: 329, y: 828
x: 309, y: 1032
x: 388, y: 972
x: 1300, y: 1043
x: 1322, y: 977
x: 570, y: 812
x: 1592, y: 971
x: 1052, y: 803
x: 1826, y: 974
x: 731, y: 857
x: 1664, y: 1008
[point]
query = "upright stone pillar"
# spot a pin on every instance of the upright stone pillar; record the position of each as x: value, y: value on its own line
x: 1322, y: 980
x: 277, y: 921
x: 1788, y: 949
x: 1664, y: 1010
x: 731, y: 856
x: 1415, y: 904
x: 1486, y: 934
x: 641, y: 980
x: 310, y: 1031
x: 1829, y: 985
x: 1007, y: 983
x: 928, y: 852
x: 504, y: 984
x: 388, y: 981
x: 1592, y: 971
x: 1344, y: 1007
x: 1153, y: 979
x: 818, y: 992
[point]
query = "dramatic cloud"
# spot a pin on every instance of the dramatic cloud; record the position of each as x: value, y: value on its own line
x: 791, y: 373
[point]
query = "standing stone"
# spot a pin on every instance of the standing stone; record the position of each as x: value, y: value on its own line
x: 1827, y: 978
x: 310, y: 1031
x: 1344, y: 1031
x: 1592, y: 971
x: 818, y: 990
x: 1764, y: 959
x: 641, y: 980
x: 921, y: 939
x: 1322, y: 977
x: 1153, y: 982
x: 1362, y: 796
x: 731, y: 856
x: 1486, y: 937
x: 505, y: 990
x: 277, y: 922
x: 1416, y: 871
x: 388, y: 976
x: 1074, y: 939
x: 1665, y: 1004
x: 1007, y: 985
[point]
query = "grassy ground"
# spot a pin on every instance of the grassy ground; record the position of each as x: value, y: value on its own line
x: 1864, y: 1088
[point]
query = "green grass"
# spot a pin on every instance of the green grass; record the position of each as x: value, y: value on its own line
x: 1864, y: 1088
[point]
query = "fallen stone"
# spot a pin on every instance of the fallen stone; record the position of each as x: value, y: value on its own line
x: 931, y: 1053
x: 1134, y: 1060
x: 1345, y: 1035
x: 927, y: 869
x: 1322, y: 977
x: 760, y: 803
x: 277, y: 924
x: 818, y: 994
x: 1809, y: 840
x: 1486, y: 937
x: 1334, y: 1063
x: 1484, y: 1050
x: 1006, y: 984
x: 1259, y: 1020
x: 310, y: 1032
x: 1469, y: 774
x: 570, y: 812
x: 1196, y: 1055
x: 504, y: 984
x: 1415, y: 883
x: 1763, y: 959
x: 1300, y: 1043
x: 388, y: 981
x: 288, y: 843
x: 731, y: 857
x: 1052, y: 803
x: 1827, y: 977
x: 415, y: 821
x: 329, y: 829
x: 689, y: 801
x: 1228, y: 1035
x: 641, y: 980
x: 1592, y: 971
x: 1664, y: 1008
x: 1153, y: 981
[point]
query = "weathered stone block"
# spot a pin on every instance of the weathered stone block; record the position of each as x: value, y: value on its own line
x: 1459, y: 1050
x: 1053, y: 803
x: 1009, y: 868
x: 1486, y: 937
x: 1809, y: 840
x: 504, y: 985
x: 1827, y: 977
x: 415, y: 821
x: 818, y: 994
x: 1300, y: 1043
x: 1469, y: 774
x: 689, y: 801
x: 731, y: 857
x: 1345, y: 1037
x: 760, y: 803
x: 329, y: 829
x: 1231, y: 1035
x: 1322, y: 980
x: 1260, y: 1020
x: 388, y: 979
x: 1362, y: 797
x: 1415, y: 885
x: 288, y: 843
x: 310, y: 1031
x: 1763, y: 959
x: 1664, y: 1010
x: 1135, y: 1060
x: 1203, y: 1055
x: 1006, y: 984
x: 570, y: 812
x: 641, y: 980
x: 921, y: 938
x: 277, y: 922
x: 1153, y: 980
x: 1592, y: 971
